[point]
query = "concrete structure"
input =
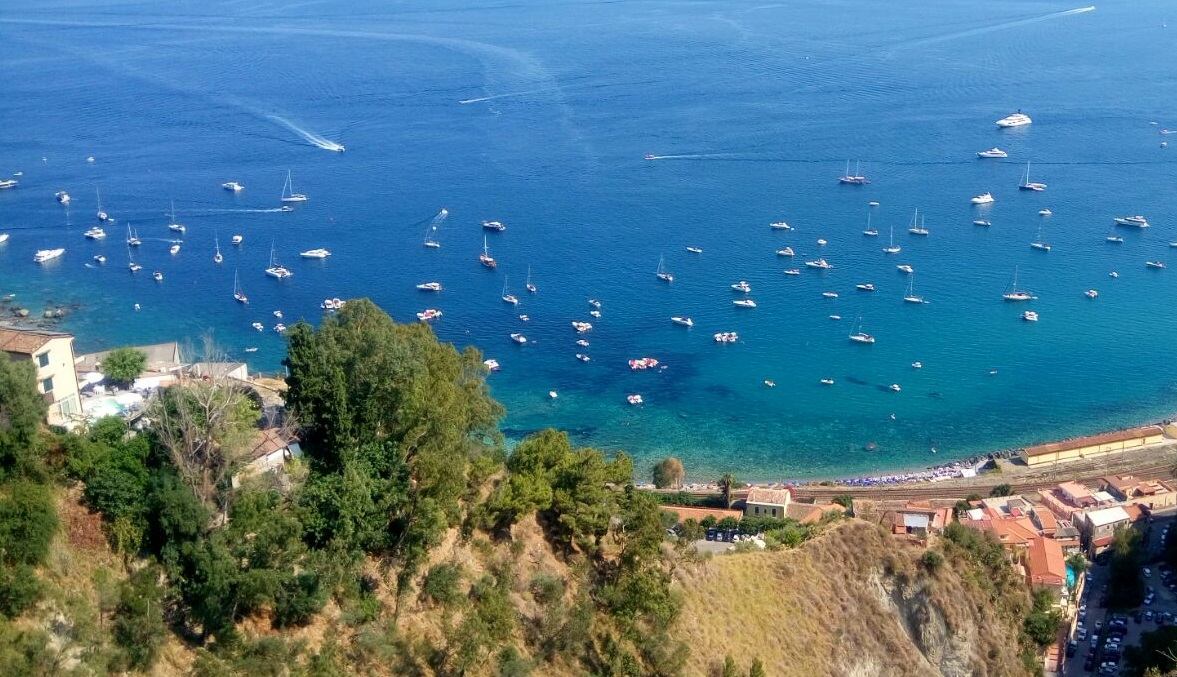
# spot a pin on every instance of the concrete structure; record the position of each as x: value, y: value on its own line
x: 1152, y: 494
x: 767, y: 502
x: 164, y: 364
x: 271, y: 450
x: 1093, y: 446
x: 52, y: 354
x: 219, y: 370
x: 1099, y: 526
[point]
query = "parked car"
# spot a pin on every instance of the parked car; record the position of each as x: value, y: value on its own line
x: 1147, y: 572
x: 1148, y: 616
x: 711, y: 534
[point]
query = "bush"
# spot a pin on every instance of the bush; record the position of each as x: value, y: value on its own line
x: 692, y: 530
x: 1002, y: 490
x: 669, y: 473
x: 441, y: 584
x: 932, y: 561
x: 19, y: 589
x: 546, y: 588
x: 28, y: 521
x: 139, y: 627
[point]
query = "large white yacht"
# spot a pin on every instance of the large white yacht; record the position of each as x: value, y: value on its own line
x: 1014, y: 120
x: 95, y: 233
x: 47, y: 254
x: 1137, y: 221
x: 992, y: 153
x: 982, y: 199
x: 315, y: 254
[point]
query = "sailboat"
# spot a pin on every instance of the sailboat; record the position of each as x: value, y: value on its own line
x: 892, y: 248
x: 217, y: 258
x: 132, y: 237
x: 857, y: 335
x: 662, y: 274
x: 1012, y: 293
x: 870, y: 232
x: 530, y: 287
x: 1038, y: 243
x: 179, y: 228
x: 431, y: 229
x: 507, y: 296
x: 276, y: 269
x: 1026, y: 184
x: 917, y: 225
x: 131, y: 265
x: 484, y: 258
x: 288, y: 194
x: 237, y: 293
x: 102, y: 216
x: 910, y: 296
x: 856, y: 178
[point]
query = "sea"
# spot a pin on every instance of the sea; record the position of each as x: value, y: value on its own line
x: 541, y: 114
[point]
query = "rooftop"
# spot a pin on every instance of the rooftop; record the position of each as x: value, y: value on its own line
x: 27, y: 341
x: 1046, y: 562
x: 769, y: 496
x: 1093, y: 440
x: 267, y: 442
x: 1101, y: 518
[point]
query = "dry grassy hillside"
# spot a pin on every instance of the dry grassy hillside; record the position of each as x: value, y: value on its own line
x: 852, y: 603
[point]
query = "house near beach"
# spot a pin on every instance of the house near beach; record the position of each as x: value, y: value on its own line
x: 1130, y: 490
x: 52, y: 355
x: 767, y: 502
x: 1093, y: 446
x: 272, y: 449
x: 1099, y: 526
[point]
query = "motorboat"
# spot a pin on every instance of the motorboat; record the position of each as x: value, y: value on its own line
x: 258, y: 326
x: 485, y: 258
x: 582, y: 343
x: 251, y: 349
x: 519, y: 338
x: 982, y: 199
x: 1044, y: 212
x: 865, y: 287
x: 661, y: 274
x: 1114, y: 238
x: 827, y: 381
x: 793, y: 271
x: 835, y: 317
x: 683, y: 321
x: 769, y: 383
x: 634, y: 399
x: 3, y: 238
x: 1030, y: 316
x: 787, y: 251
x: 780, y: 225
x: 695, y: 250
x: 315, y: 254
x: 855, y: 179
x: 643, y: 363
x: 1154, y: 264
x: 917, y: 365
x: 524, y: 318
x: 1135, y: 221
x: 594, y: 303
x: 237, y: 239
x: 982, y: 222
x: 134, y: 267
x: 582, y: 327
x: 1091, y: 293
x: 62, y: 197
x: 491, y: 365
x: 98, y: 258
x: 157, y: 276
x: 744, y: 303
x: 44, y: 255
x: 288, y: 194
x: 992, y: 153
x: 8, y: 183
x: 279, y: 327
x: 820, y: 264
x: 894, y: 387
x: 742, y: 286
x: 873, y: 203
x: 95, y: 233
x: 582, y: 357
x: 174, y: 249
x: 428, y: 314
x: 429, y: 286
x: 650, y: 157
x: 1017, y: 119
x: 726, y: 337
x: 493, y: 225
x: 830, y: 294
x: 285, y: 208
x: 1113, y: 274
x: 233, y: 186
x: 278, y: 314
x: 821, y: 242
x: 277, y: 270
x: 903, y: 267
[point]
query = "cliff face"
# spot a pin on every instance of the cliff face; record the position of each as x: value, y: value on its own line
x: 852, y: 603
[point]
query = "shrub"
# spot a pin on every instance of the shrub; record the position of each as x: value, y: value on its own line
x: 692, y: 530
x: 546, y: 588
x: 138, y: 623
x: 1002, y: 490
x: 123, y: 365
x: 669, y: 473
x: 441, y: 584
x: 19, y: 589
x: 932, y: 561
x: 28, y: 521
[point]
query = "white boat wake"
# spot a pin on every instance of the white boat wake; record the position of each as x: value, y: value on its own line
x: 505, y: 95
x: 1001, y: 26
x: 307, y: 135
x: 268, y: 210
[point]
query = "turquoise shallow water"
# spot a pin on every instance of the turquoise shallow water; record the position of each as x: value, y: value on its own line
x: 539, y: 114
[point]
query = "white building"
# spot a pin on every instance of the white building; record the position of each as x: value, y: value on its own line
x: 52, y: 354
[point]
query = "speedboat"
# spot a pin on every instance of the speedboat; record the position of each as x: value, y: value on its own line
x: 493, y: 225
x: 743, y: 286
x: 780, y: 225
x: 237, y: 239
x: 684, y: 321
x: 744, y: 303
x: 894, y: 387
x: 905, y: 268
x: 429, y: 286
x: 491, y: 365
x: 726, y: 337
x: 981, y: 222
x: 1044, y: 212
x: 258, y: 326
x: 819, y: 263
x: 650, y: 157
x: 821, y: 243
x: 982, y: 199
x: 47, y: 254
x: 174, y: 249
x: 787, y: 251
x: 793, y: 271
x: 862, y: 337
x: 1114, y: 238
x: 1040, y: 246
x: 97, y: 259
x: 233, y: 186
x: 992, y: 153
x: 62, y: 197
x: 429, y: 314
x: 582, y: 357
x: 8, y: 183
x: 1091, y: 293
x: 865, y: 287
x: 1137, y: 221
x: 827, y: 381
x: 582, y: 327
x: 830, y: 294
x: 315, y: 254
x: 695, y: 250
x: 1017, y: 119
x: 157, y: 276
x: 1030, y: 316
x: 95, y: 233
x: 634, y: 399
x: 519, y: 338
x: 1154, y: 264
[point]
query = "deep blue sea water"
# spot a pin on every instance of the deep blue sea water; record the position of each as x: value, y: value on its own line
x: 538, y: 114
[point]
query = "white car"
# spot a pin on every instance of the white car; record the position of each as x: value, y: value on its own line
x: 1147, y: 573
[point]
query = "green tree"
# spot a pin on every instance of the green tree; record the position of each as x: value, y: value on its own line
x: 21, y: 411
x: 1042, y: 623
x: 28, y: 521
x: 1002, y: 490
x: 19, y: 589
x: 124, y: 365
x: 669, y: 473
x: 1078, y: 563
x: 1125, y: 585
x: 727, y: 485
x: 692, y: 530
x: 844, y: 500
x: 1157, y: 650
x: 139, y: 627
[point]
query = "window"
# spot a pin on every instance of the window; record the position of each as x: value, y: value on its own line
x: 43, y: 360
x: 774, y: 512
x: 757, y: 510
x: 47, y: 385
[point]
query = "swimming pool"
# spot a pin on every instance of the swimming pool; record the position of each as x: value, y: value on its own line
x: 112, y: 405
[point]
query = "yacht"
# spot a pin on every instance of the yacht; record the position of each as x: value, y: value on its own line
x: 62, y: 197
x: 865, y: 287
x: 1091, y: 293
x: 485, y: 258
x: 745, y: 303
x: 780, y: 225
x: 830, y: 294
x: 743, y: 286
x: 1044, y: 212
x: 856, y: 179
x: 903, y: 267
x: 519, y: 338
x: 288, y: 194
x: 787, y: 251
x: 1136, y: 221
x: 1027, y: 184
x: 95, y: 233
x: 992, y: 153
x: 237, y: 239
x: 981, y: 222
x: 1154, y: 264
x: 683, y: 321
x: 1114, y: 238
x: 233, y: 186
x: 173, y: 226
x: 276, y: 270
x: 429, y: 286
x: 1012, y: 293
x: 695, y: 250
x: 493, y: 225
x: 1030, y: 316
x: 820, y: 264
x: 662, y: 274
x: 315, y: 254
x: 47, y: 254
x: 1017, y: 119
x: 982, y: 199
x: 174, y: 249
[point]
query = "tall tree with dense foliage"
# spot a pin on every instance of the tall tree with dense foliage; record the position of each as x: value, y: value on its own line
x: 124, y: 365
x: 727, y: 486
x: 21, y: 411
x: 669, y: 473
